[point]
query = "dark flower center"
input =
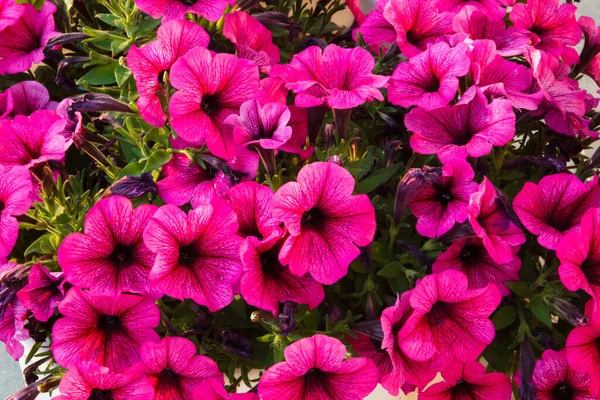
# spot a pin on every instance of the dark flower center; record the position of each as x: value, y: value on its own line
x: 464, y: 137
x: 188, y: 2
x: 315, y: 381
x: 2, y: 206
x: 98, y: 394
x: 433, y: 85
x: 122, y: 255
x: 470, y: 255
x: 187, y: 255
x: 167, y: 380
x: 591, y: 270
x: 313, y: 218
x: 598, y: 343
x: 269, y: 261
x: 109, y: 323
x: 562, y: 391
x: 439, y: 313
x: 462, y: 390
x: 444, y: 196
x: 210, y: 104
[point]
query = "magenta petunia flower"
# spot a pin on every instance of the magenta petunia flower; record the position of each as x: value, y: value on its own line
x: 470, y: 257
x: 468, y: 381
x: 579, y: 255
x: 15, y: 200
x: 6, y: 105
x: 367, y: 347
x: 10, y: 13
x: 555, y: 206
x: 376, y: 30
x: 197, y: 255
x: 493, y: 224
x: 417, y: 23
x: 110, y: 256
x: 43, y: 292
x: 252, y: 203
x: 462, y: 130
x: 449, y: 321
x: 174, y: 368
x: 30, y: 96
x: 338, y: 77
x: 554, y: 379
x: 212, y: 10
x: 315, y: 368
x: 265, y: 282
x: 90, y: 381
x: 590, y: 55
x: 149, y: 64
x: 583, y: 353
x: 12, y: 312
x: 553, y: 24
x: 211, y: 88
x: 107, y: 330
x: 29, y: 34
x: 212, y: 389
x: 493, y: 9
x: 29, y: 141
x: 439, y: 205
x: 251, y: 39
x: 509, y: 41
x: 430, y: 79
x: 325, y: 221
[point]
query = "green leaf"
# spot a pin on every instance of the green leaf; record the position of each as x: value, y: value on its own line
x: 133, y: 169
x: 157, y: 159
x: 504, y: 317
x: 520, y: 288
x: 122, y: 73
x: 108, y: 19
x: 540, y: 310
x: 377, y: 178
x: 43, y: 245
x: 100, y: 75
x: 392, y: 270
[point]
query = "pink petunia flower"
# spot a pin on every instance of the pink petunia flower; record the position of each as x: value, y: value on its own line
x: 6, y: 105
x: 43, y: 292
x: 197, y: 255
x: 554, y: 379
x: 212, y: 389
x: 493, y: 9
x: 252, y: 203
x: 110, y: 256
x: 15, y: 200
x: 492, y: 223
x: 149, y: 64
x: 470, y: 257
x: 449, y: 321
x: 417, y: 23
x: 555, y: 206
x: 10, y: 13
x: 553, y: 24
x: 29, y: 141
x: 29, y: 34
x: 468, y: 381
x: 376, y: 30
x: 439, y: 205
x: 212, y: 10
x: 579, y: 255
x: 30, y: 96
x: 325, y: 221
x: 583, y: 353
x: 211, y: 88
x: 316, y: 365
x: 430, y: 79
x: 251, y: 39
x: 509, y: 41
x: 462, y: 130
x: 174, y: 368
x: 12, y: 312
x: 590, y: 55
x: 88, y: 380
x: 338, y: 77
x: 107, y: 330
x: 265, y: 282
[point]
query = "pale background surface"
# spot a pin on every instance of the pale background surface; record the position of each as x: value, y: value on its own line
x: 10, y: 374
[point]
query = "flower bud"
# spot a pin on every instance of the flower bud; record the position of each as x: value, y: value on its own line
x: 410, y: 184
x: 336, y: 160
x: 287, y: 320
x: 133, y: 187
x: 566, y: 310
x: 236, y: 344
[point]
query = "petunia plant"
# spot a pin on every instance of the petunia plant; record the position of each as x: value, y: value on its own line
x: 255, y: 200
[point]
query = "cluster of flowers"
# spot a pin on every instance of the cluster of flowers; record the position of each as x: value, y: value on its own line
x: 468, y: 89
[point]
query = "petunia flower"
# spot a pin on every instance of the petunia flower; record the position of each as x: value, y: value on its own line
x: 212, y: 10
x: 251, y: 39
x: 469, y: 381
x: 211, y: 88
x: 583, y: 353
x: 554, y: 379
x: 6, y: 105
x: 493, y: 223
x: 590, y: 55
x: 470, y: 257
x: 341, y: 78
x: 10, y: 13
x: 197, y: 254
x: 377, y: 32
x: 252, y: 203
x: 448, y: 321
x: 553, y: 24
x: 462, y: 130
x: 265, y: 282
x: 325, y: 221
x: 174, y: 368
x: 430, y: 79
x: 316, y: 365
x: 212, y: 389
x: 149, y: 64
x: 43, y: 292
x: 110, y: 256
x: 12, y: 312
x: 509, y: 41
x: 493, y: 9
x: 29, y: 141
x: 417, y: 23
x: 441, y: 204
x: 30, y: 96
x: 90, y: 381
x: 555, y: 206
x: 107, y: 330
x: 15, y: 200
x: 28, y: 36
x: 579, y: 255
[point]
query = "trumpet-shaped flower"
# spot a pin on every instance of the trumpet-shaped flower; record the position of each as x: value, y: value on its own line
x: 252, y: 203
x: 212, y: 10
x: 583, y: 353
x: 554, y: 379
x: 43, y: 292
x: 15, y: 200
